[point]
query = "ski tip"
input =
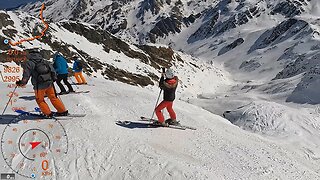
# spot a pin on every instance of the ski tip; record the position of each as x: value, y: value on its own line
x: 20, y: 111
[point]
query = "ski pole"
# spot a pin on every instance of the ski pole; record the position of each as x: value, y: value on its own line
x: 156, y: 105
x: 163, y: 71
x: 74, y: 83
x: 9, y: 100
x: 1, y: 76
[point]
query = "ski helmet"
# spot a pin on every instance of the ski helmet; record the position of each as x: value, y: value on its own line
x: 169, y: 74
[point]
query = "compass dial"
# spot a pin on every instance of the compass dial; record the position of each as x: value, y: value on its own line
x: 31, y: 146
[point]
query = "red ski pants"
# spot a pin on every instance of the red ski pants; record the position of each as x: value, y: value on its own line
x: 162, y: 105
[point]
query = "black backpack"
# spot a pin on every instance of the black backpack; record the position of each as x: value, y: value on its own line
x: 44, y: 72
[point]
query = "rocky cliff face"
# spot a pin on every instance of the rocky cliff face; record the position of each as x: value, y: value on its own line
x: 151, y: 56
x: 151, y: 20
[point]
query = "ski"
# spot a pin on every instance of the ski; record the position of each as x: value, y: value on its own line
x: 170, y: 126
x: 75, y: 84
x: 40, y: 116
x: 69, y: 116
x: 150, y: 124
x: 153, y: 120
x: 37, y: 109
x: 76, y: 92
x: 79, y: 92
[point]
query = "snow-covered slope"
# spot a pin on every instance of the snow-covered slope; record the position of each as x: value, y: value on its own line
x: 100, y: 149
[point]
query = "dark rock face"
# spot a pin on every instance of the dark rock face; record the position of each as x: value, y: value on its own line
x: 283, y: 31
x: 212, y: 27
x: 5, y: 20
x: 307, y: 91
x: 231, y: 46
x: 79, y: 9
x: 206, y: 29
x: 114, y: 73
x: 297, y: 66
x: 164, y: 27
x: 157, y: 57
x: 249, y: 66
x: 9, y: 32
x: 171, y: 24
x: 153, y: 5
x: 289, y: 8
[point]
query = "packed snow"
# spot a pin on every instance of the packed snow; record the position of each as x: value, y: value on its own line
x: 100, y: 149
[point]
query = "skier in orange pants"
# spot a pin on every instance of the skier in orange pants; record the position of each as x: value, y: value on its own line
x: 42, y: 77
x: 50, y: 92
x: 169, y: 86
x: 77, y: 69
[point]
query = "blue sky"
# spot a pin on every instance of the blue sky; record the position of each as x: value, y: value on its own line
x: 13, y: 3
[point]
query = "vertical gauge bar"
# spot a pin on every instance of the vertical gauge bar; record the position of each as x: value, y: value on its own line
x: 8, y: 176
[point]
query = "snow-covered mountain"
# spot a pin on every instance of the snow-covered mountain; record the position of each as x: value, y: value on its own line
x: 105, y: 55
x: 272, y: 39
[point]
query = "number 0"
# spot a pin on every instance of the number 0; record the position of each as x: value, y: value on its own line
x: 45, y: 165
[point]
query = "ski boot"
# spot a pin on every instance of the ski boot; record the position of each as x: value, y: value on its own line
x: 157, y: 123
x: 47, y: 116
x: 63, y: 92
x: 61, y: 114
x: 172, y: 122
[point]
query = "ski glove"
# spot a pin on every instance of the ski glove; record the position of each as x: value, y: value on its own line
x: 19, y: 83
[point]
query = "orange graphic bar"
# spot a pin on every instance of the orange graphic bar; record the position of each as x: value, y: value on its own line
x: 35, y: 37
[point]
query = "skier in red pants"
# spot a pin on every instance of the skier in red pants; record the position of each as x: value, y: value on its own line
x: 169, y: 86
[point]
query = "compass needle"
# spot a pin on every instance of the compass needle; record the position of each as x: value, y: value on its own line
x: 34, y: 144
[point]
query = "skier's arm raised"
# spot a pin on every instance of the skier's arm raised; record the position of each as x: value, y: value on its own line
x: 161, y: 82
x: 27, y: 68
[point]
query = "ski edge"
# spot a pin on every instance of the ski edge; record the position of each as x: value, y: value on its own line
x: 70, y: 116
x: 151, y: 124
x: 142, y: 118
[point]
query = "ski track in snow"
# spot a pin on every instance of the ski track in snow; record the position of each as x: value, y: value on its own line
x: 100, y: 149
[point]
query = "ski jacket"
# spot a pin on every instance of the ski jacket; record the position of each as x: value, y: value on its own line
x: 60, y: 64
x: 169, y: 87
x: 76, y: 66
x: 29, y: 71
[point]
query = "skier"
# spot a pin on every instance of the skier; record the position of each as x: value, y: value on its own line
x: 42, y: 77
x: 169, y: 86
x: 77, y: 69
x: 61, y: 67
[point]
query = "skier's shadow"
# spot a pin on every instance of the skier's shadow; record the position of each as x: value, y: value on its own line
x: 134, y: 125
x: 28, y: 98
x: 6, y: 119
x: 12, y: 119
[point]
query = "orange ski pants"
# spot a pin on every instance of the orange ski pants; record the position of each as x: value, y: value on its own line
x: 50, y: 92
x: 162, y: 105
x: 80, y: 78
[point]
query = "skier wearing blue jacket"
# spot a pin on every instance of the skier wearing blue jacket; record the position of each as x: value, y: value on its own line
x: 61, y: 67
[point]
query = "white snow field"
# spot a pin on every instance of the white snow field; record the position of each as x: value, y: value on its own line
x: 100, y: 149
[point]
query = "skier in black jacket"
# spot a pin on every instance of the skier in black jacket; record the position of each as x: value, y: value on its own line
x: 168, y: 83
